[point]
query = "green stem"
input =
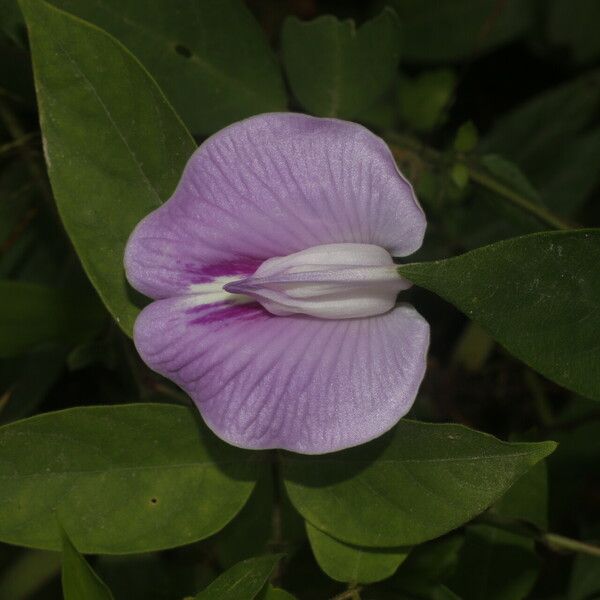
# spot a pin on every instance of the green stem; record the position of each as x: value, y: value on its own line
x: 352, y: 593
x: 554, y: 541
x: 400, y: 143
x: 542, y: 214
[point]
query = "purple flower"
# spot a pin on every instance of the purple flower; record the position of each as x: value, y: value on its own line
x: 274, y: 286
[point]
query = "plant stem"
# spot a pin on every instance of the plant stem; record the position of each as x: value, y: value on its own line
x: 553, y: 541
x: 542, y: 214
x: 402, y: 144
x: 352, y: 593
x: 16, y: 131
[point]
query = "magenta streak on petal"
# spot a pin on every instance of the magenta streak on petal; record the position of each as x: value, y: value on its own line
x: 242, y: 266
x: 218, y: 312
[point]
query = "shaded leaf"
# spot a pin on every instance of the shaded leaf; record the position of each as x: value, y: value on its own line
x: 575, y: 26
x: 121, y: 479
x: 452, y: 30
x: 32, y: 314
x: 337, y: 70
x: 211, y: 58
x: 585, y: 578
x: 114, y: 147
x: 79, y: 579
x: 414, y: 484
x: 537, y: 295
x: 495, y: 565
x: 549, y: 138
x: 353, y: 564
x: 427, y: 567
x: 424, y: 99
x: 243, y: 581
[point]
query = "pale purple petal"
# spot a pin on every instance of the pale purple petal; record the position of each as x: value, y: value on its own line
x: 270, y: 186
x: 300, y: 383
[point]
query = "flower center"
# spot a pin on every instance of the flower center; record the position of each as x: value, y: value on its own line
x: 332, y: 281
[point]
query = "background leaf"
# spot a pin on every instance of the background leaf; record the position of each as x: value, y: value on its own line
x: 210, y: 57
x: 243, y: 581
x: 538, y: 295
x: 121, y: 479
x: 574, y: 25
x: 418, y: 482
x: 78, y: 579
x: 114, y: 147
x: 458, y: 29
x: 337, y: 70
x: 497, y: 564
x: 552, y: 139
x: 353, y: 564
x: 32, y: 314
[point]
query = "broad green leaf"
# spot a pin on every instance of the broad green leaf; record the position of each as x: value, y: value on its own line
x: 575, y: 26
x: 32, y: 314
x: 495, y: 565
x: 416, y: 483
x: 210, y: 57
x: 337, y: 70
x: 79, y: 579
x: 424, y: 99
x: 243, y: 581
x: 353, y: 564
x: 538, y: 295
x: 452, y: 30
x: 114, y: 147
x: 121, y: 479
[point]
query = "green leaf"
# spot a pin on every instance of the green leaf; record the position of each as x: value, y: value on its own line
x: 575, y: 26
x: 243, y: 581
x: 211, y: 57
x: 527, y: 499
x: 412, y: 485
x: 353, y: 564
x: 121, y: 479
x: 427, y: 567
x: 32, y: 314
x: 114, y: 147
x: 79, y: 579
x: 538, y: 295
x: 424, y: 99
x: 248, y: 534
x: 28, y: 381
x: 585, y: 578
x: 509, y: 173
x: 336, y: 70
x: 500, y: 565
x: 495, y: 565
x: 452, y: 30
x: 273, y: 593
x: 549, y: 138
x: 28, y: 573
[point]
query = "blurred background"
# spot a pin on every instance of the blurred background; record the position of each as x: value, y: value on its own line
x: 505, y: 88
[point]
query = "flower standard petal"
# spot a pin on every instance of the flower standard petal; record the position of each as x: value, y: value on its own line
x: 299, y: 383
x: 270, y: 186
